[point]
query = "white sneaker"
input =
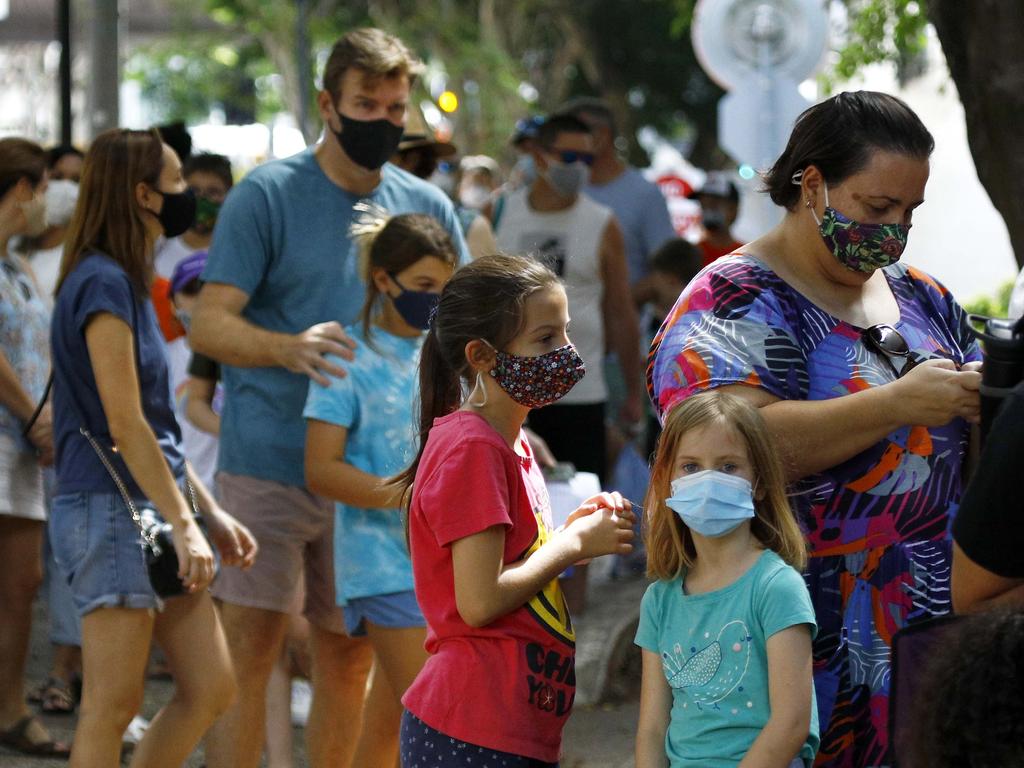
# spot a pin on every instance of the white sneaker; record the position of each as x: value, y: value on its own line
x: 136, y: 728
x: 302, y: 699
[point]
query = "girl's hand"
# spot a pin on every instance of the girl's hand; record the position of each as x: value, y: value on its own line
x: 195, y: 558
x: 602, y: 532
x: 612, y: 501
x: 236, y: 544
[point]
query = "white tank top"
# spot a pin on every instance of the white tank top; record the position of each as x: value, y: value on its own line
x: 568, y: 242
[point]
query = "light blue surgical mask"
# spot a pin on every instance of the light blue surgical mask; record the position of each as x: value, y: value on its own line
x: 712, y: 503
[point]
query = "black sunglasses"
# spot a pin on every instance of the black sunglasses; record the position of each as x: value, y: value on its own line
x: 569, y: 156
x: 887, y: 341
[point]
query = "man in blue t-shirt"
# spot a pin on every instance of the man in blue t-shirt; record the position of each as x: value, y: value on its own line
x: 281, y: 282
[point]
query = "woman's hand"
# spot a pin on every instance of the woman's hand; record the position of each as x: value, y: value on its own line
x: 41, y: 435
x: 236, y: 544
x: 196, y: 566
x: 934, y: 393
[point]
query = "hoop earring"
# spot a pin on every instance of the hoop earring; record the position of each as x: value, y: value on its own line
x: 478, y: 385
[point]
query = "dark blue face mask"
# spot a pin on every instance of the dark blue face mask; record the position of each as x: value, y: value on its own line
x: 415, y: 307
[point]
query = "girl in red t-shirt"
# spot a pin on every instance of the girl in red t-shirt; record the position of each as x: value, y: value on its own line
x: 499, y: 682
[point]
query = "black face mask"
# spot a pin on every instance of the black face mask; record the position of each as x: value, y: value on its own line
x: 178, y: 213
x: 369, y: 143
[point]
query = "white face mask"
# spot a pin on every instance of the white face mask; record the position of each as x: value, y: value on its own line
x: 474, y: 196
x: 61, y: 198
x: 35, y: 215
x: 567, y: 178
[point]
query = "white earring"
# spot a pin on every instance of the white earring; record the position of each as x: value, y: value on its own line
x: 478, y: 385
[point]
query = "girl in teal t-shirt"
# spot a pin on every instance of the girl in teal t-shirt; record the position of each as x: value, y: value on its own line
x: 360, y: 432
x: 726, y: 629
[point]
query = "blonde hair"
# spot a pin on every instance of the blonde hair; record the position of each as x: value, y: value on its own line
x: 670, y: 546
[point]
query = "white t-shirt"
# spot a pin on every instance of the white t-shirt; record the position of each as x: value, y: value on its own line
x: 168, y: 254
x: 46, y: 267
x: 569, y: 242
x: 200, y: 447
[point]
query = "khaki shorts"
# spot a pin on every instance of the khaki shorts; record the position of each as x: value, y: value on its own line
x: 295, y: 532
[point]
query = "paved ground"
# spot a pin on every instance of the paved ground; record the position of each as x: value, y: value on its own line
x: 600, y: 730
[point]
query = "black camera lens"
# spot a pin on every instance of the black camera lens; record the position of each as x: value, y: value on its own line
x: 1002, y: 347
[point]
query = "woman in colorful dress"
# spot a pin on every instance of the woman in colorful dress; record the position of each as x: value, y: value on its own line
x: 866, y: 373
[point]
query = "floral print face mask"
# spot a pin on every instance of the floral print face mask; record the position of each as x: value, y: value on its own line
x: 538, y: 381
x: 860, y: 247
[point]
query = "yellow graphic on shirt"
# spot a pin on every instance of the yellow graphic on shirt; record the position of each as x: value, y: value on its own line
x: 548, y: 606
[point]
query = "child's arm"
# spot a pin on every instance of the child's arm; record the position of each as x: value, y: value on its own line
x: 328, y: 475
x: 486, y: 588
x: 790, y: 699
x: 199, y: 404
x: 655, y: 713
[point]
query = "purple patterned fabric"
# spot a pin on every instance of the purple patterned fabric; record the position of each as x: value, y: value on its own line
x: 878, y: 524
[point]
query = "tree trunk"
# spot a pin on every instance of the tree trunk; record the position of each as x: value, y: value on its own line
x: 982, y: 41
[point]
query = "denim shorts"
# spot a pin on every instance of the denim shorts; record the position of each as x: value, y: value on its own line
x: 98, y: 549
x: 398, y: 610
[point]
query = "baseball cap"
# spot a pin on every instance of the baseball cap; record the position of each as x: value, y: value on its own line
x: 526, y: 129
x: 190, y: 268
x: 421, y: 141
x: 717, y: 184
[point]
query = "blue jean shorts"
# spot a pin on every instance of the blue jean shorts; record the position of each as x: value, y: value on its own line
x: 98, y: 549
x: 398, y: 610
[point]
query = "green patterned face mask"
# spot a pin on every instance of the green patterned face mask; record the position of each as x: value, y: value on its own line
x: 206, y: 214
x: 861, y: 247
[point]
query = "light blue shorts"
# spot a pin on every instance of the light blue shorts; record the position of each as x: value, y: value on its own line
x: 399, y: 610
x: 98, y: 550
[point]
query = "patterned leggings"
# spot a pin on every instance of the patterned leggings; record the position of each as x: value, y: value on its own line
x: 424, y: 747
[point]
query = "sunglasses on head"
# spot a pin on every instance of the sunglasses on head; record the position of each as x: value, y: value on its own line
x: 887, y: 341
x: 569, y: 157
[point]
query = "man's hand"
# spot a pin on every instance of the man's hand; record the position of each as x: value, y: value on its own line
x: 305, y: 352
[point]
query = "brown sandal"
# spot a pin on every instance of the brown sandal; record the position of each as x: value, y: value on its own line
x: 17, y: 738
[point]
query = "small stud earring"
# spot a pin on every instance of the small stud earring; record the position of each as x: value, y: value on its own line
x: 809, y: 204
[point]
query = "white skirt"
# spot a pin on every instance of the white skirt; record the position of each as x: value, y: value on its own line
x: 21, y: 481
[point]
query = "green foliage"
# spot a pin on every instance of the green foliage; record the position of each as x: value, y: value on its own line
x: 185, y: 78
x: 490, y: 52
x: 880, y: 31
x: 996, y: 305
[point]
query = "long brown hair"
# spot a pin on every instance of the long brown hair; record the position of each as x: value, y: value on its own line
x: 669, y: 542
x: 484, y: 300
x: 396, y: 244
x: 108, y: 217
